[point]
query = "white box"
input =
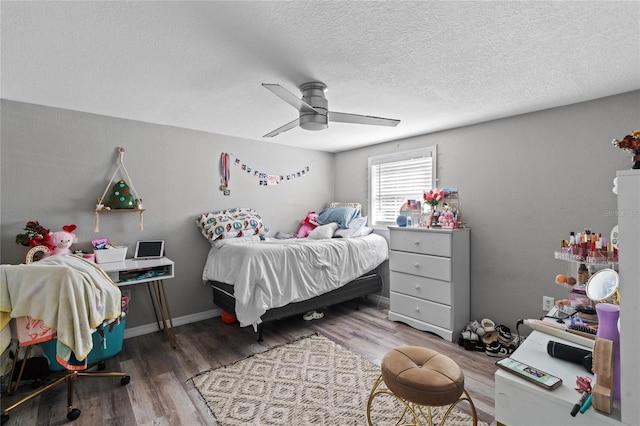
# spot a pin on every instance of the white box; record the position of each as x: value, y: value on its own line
x: 116, y: 254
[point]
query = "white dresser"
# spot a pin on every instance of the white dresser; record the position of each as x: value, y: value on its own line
x: 429, y: 279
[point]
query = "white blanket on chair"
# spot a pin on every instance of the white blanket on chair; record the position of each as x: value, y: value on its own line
x: 68, y: 293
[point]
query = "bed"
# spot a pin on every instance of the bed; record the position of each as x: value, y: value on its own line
x: 263, y: 279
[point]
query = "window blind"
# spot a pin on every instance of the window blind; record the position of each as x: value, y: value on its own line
x: 396, y: 178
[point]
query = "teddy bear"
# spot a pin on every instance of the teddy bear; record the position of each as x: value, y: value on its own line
x: 62, y: 240
x: 309, y: 223
x: 448, y: 220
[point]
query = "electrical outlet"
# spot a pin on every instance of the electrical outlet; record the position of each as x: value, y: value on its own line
x: 547, y: 303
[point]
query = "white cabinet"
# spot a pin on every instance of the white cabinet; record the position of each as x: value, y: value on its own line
x: 429, y: 273
x: 629, y: 268
x: 520, y: 402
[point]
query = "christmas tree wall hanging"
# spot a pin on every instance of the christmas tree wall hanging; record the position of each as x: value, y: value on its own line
x: 123, y: 196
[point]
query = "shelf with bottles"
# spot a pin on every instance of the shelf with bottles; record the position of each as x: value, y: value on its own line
x: 589, y: 247
x: 595, y: 258
x: 585, y: 253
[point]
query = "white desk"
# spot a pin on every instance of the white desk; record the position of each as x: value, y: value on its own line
x: 519, y: 402
x: 153, y: 272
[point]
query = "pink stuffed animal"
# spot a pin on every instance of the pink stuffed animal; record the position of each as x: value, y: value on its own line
x: 449, y: 220
x: 62, y: 240
x: 309, y: 223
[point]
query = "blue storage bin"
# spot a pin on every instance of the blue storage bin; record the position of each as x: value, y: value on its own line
x: 113, y: 334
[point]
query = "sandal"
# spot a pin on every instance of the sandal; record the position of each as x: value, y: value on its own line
x: 490, y: 338
x: 311, y: 315
x: 488, y: 325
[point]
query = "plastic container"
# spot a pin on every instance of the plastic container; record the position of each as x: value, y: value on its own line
x: 103, y: 349
x: 117, y: 254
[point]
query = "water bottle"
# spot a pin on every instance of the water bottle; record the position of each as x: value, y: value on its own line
x: 409, y: 221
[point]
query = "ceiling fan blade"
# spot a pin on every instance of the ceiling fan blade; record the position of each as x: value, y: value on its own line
x: 283, y: 129
x: 343, y: 117
x: 289, y: 98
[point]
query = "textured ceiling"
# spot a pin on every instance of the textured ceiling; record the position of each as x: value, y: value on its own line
x: 433, y: 65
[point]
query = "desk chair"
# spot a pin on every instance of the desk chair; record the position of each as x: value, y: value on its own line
x: 53, y: 379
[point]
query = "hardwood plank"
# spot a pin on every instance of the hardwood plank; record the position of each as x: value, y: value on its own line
x: 160, y: 392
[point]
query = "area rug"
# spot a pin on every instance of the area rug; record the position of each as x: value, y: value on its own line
x: 312, y: 381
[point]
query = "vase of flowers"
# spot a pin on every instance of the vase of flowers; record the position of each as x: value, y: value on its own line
x: 432, y: 199
x: 631, y: 143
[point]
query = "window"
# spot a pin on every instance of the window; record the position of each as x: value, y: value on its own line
x: 396, y: 178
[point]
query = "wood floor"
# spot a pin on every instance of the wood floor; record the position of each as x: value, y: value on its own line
x: 160, y: 392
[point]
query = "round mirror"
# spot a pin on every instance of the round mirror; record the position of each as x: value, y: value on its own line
x: 602, y: 285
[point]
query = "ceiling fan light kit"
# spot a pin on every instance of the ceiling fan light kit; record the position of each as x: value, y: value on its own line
x: 314, y: 112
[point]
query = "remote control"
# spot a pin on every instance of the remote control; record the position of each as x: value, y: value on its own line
x: 527, y: 372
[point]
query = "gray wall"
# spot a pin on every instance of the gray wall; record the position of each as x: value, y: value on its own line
x: 524, y: 183
x: 55, y: 163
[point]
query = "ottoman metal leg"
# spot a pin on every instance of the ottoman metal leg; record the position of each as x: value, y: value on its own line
x: 421, y: 414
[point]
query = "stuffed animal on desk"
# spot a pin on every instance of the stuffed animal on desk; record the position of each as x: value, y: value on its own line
x: 62, y: 240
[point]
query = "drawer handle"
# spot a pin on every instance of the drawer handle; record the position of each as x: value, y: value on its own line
x: 416, y: 265
x: 416, y: 242
x: 417, y: 286
x: 417, y: 309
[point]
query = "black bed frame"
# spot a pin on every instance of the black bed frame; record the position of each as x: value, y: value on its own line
x: 368, y: 283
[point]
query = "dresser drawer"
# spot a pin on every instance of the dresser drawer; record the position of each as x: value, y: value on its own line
x: 421, y: 310
x: 421, y: 287
x: 420, y: 264
x: 423, y: 242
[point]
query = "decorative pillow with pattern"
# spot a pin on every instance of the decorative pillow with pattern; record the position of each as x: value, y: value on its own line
x: 231, y: 223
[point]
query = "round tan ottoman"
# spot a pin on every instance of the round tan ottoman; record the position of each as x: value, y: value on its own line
x: 417, y: 377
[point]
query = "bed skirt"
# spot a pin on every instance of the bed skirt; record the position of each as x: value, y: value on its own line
x: 368, y: 283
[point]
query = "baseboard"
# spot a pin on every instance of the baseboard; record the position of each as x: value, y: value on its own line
x: 187, y: 319
x: 200, y: 316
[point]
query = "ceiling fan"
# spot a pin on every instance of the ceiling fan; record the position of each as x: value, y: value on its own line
x: 314, y: 109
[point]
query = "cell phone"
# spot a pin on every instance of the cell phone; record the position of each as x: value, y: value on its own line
x: 532, y: 374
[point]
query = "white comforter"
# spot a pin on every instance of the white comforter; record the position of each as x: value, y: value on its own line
x: 272, y: 273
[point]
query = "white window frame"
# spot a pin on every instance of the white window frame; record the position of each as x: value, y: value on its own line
x: 379, y: 216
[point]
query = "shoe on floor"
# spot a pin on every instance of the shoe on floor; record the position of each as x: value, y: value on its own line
x: 477, y: 345
x: 475, y: 327
x: 470, y: 335
x: 490, y: 337
x: 504, y: 334
x: 488, y: 325
x: 497, y: 349
x: 311, y: 315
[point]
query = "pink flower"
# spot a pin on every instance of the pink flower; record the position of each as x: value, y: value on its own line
x: 433, y: 197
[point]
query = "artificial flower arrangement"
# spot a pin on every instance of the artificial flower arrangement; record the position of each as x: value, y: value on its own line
x: 35, y: 234
x: 631, y: 143
x: 433, y: 197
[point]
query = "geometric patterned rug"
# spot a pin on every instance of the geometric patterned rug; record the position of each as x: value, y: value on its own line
x: 312, y: 381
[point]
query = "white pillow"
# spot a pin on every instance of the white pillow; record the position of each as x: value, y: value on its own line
x: 354, y: 229
x: 365, y: 230
x: 323, y: 231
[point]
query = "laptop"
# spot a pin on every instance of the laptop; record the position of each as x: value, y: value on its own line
x: 149, y: 250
